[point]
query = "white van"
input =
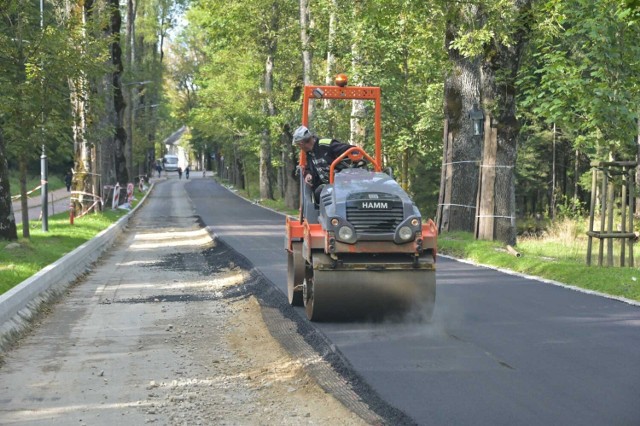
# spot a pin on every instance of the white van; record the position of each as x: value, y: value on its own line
x: 170, y: 163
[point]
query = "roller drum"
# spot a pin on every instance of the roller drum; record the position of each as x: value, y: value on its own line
x: 369, y: 291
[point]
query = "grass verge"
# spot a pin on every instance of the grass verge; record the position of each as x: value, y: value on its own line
x: 546, y: 259
x: 55, y: 182
x: 44, y: 248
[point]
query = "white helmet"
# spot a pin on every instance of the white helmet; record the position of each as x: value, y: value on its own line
x: 301, y: 134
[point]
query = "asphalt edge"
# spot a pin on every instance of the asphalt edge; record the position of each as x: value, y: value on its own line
x: 21, y: 304
x: 321, y: 359
x: 301, y: 339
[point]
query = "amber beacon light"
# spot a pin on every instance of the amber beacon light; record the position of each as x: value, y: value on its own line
x: 341, y: 80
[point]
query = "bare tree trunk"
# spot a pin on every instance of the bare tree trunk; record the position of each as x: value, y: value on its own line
x: 331, y: 56
x: 129, y: 117
x: 113, y: 162
x: 22, y: 165
x: 79, y: 96
x: 460, y: 165
x: 8, y: 230
x: 307, y: 55
x: 358, y: 130
x: 122, y: 172
x: 266, y: 187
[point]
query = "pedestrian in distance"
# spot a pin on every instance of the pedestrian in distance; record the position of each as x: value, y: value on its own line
x: 67, y: 180
x: 179, y: 172
x: 159, y: 169
x: 186, y: 172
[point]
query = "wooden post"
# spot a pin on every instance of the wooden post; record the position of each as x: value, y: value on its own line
x: 632, y: 195
x: 603, y: 215
x: 486, y: 211
x: 443, y: 175
x: 623, y: 213
x: 594, y: 184
x: 610, y: 201
x: 476, y: 222
x: 446, y: 208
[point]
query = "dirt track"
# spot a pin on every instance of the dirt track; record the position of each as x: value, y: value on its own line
x: 157, y: 334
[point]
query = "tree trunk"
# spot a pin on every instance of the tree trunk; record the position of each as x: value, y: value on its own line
x: 131, y: 16
x: 331, y: 41
x: 24, y: 204
x: 358, y: 129
x: 79, y: 97
x: 266, y: 187
x: 307, y: 55
x: 120, y: 135
x: 111, y: 152
x: 460, y: 162
x: 8, y: 229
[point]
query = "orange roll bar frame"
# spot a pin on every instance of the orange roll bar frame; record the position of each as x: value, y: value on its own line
x: 347, y: 92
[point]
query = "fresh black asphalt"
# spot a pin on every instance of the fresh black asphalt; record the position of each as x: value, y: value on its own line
x: 501, y: 350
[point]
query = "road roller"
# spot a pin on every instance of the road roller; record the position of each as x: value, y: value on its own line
x: 362, y: 250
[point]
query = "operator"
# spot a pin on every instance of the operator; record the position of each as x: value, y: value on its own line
x: 320, y: 154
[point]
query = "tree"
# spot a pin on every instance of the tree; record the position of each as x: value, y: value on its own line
x: 485, y: 42
x: 7, y: 219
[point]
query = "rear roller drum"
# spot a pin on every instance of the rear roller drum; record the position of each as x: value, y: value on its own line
x: 347, y: 294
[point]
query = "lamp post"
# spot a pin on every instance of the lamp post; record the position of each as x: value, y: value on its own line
x: 44, y: 177
x: 477, y: 117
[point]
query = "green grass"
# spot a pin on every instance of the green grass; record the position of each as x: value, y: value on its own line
x: 547, y: 258
x: 55, y: 182
x: 44, y: 248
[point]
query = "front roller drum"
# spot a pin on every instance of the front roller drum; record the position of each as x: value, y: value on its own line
x: 352, y: 293
x: 295, y: 274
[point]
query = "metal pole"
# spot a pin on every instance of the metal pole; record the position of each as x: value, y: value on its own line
x: 44, y: 190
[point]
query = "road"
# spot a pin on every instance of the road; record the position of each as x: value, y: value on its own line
x: 161, y: 331
x: 58, y: 203
x: 501, y: 350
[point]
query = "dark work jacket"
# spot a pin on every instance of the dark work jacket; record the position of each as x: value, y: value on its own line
x: 319, y: 159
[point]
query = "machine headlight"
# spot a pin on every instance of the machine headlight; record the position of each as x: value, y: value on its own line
x: 405, y: 233
x: 345, y: 233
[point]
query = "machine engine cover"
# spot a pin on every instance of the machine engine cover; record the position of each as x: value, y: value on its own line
x: 371, y: 203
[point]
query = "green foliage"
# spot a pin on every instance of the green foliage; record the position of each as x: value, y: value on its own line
x: 580, y: 74
x: 37, y: 65
x: 571, y: 208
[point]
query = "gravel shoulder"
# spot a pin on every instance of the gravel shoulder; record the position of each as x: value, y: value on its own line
x: 161, y: 332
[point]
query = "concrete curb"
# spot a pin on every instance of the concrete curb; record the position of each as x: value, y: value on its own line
x: 20, y: 305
